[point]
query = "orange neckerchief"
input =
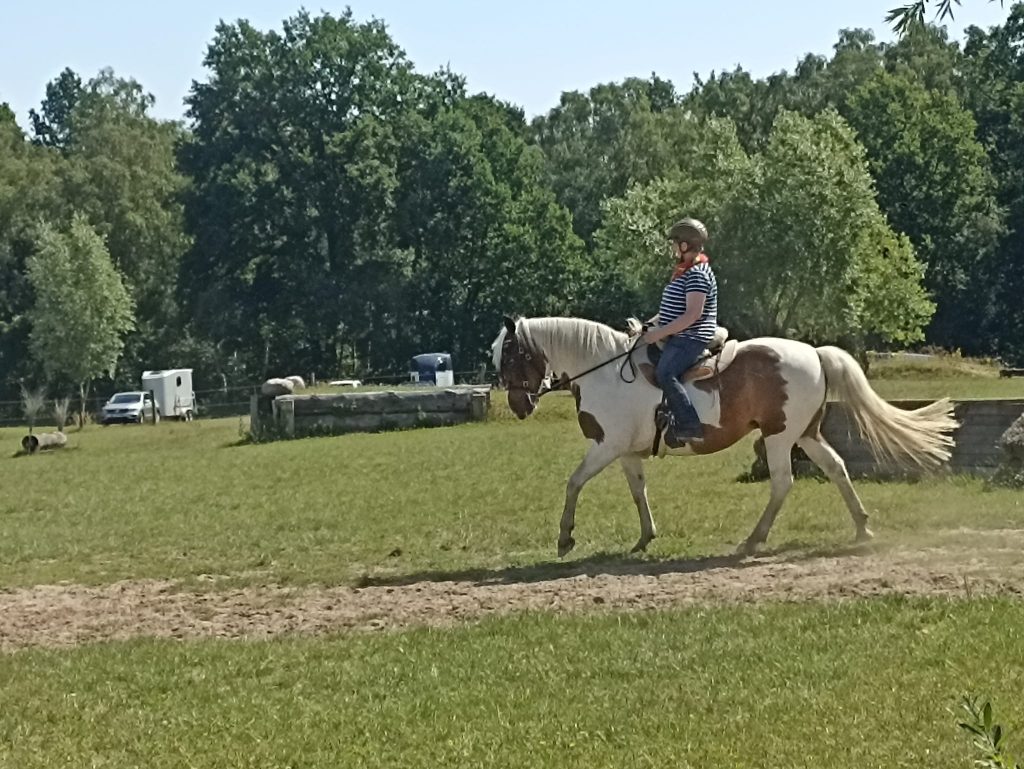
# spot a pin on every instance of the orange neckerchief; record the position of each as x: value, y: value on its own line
x: 680, y: 270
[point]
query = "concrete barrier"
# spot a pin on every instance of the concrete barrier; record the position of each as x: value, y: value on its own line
x: 298, y: 416
x: 982, y: 423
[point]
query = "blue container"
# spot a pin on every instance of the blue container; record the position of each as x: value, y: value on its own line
x: 434, y: 368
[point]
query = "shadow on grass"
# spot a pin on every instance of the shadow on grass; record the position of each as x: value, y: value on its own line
x: 618, y: 564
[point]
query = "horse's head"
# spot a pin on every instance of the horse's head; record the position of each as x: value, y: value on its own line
x: 521, y: 369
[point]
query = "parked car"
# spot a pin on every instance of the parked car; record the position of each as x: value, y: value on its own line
x: 128, y: 407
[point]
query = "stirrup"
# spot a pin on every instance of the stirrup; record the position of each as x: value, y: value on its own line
x: 663, y: 416
x: 675, y: 442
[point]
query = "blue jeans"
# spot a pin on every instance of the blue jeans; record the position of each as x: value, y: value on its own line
x: 679, y: 354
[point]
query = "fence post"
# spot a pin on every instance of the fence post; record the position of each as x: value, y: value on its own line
x: 254, y: 416
x: 478, y: 405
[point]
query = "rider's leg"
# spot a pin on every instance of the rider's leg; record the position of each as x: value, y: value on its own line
x: 678, y: 355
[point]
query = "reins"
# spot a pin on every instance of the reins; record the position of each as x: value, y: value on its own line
x: 561, y: 383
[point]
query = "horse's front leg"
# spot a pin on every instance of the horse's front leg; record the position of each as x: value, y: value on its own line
x: 597, y: 459
x: 633, y: 467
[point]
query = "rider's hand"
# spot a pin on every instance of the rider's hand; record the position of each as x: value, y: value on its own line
x: 653, y: 335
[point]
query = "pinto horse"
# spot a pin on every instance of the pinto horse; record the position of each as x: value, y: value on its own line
x: 777, y: 386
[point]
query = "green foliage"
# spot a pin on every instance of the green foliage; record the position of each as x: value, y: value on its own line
x: 394, y: 212
x: 330, y: 209
x: 119, y: 172
x: 933, y: 180
x: 82, y: 310
x: 598, y: 144
x: 292, y: 159
x: 27, y: 191
x: 994, y: 91
x: 101, y: 156
x: 905, y: 18
x: 52, y: 123
x: 484, y: 234
x: 803, y: 248
x: 986, y: 735
x: 632, y: 259
x: 32, y: 402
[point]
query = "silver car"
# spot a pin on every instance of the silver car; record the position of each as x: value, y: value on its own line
x: 134, y: 407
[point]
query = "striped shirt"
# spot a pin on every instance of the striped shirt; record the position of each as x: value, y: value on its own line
x: 699, y: 279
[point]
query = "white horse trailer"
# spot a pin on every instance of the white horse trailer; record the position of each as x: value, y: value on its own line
x: 172, y: 391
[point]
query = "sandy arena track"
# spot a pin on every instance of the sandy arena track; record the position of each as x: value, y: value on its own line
x: 961, y: 564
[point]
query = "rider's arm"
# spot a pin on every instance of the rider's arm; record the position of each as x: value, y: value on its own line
x: 694, y: 309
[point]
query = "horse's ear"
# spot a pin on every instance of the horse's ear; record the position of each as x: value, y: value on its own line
x: 510, y: 325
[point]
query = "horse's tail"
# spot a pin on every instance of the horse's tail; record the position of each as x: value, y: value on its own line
x: 921, y: 435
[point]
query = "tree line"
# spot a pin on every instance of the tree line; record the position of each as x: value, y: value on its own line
x: 325, y: 207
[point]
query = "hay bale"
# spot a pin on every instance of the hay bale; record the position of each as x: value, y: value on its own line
x: 275, y: 387
x: 1010, y: 472
x: 43, y: 442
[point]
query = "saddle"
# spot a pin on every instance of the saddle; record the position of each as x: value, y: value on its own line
x: 720, y: 353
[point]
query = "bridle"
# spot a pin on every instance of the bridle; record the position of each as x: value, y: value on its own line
x: 526, y: 355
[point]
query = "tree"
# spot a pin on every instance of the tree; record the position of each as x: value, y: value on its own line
x: 52, y: 124
x: 292, y: 160
x: 798, y: 242
x: 994, y: 91
x: 815, y: 235
x: 631, y: 261
x: 934, y: 183
x: 485, y: 235
x: 926, y: 54
x: 119, y: 171
x: 346, y: 208
x: 27, y: 193
x: 815, y: 84
x: 82, y: 309
x: 597, y: 144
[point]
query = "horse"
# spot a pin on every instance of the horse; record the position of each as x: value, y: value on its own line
x: 778, y: 386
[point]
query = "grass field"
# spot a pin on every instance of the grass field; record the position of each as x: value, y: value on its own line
x: 188, y: 500
x: 848, y: 683
x: 863, y: 684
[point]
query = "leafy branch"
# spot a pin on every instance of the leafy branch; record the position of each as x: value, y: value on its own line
x: 907, y: 16
x: 987, y: 735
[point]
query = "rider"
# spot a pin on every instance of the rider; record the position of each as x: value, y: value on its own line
x: 686, y: 320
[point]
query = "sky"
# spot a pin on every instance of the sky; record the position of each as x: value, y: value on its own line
x: 526, y: 52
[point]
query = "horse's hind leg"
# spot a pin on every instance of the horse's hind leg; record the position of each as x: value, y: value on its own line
x: 780, y: 466
x: 825, y: 457
x: 597, y: 459
x: 633, y: 467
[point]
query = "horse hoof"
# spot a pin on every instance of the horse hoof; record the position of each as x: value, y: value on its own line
x: 565, y: 545
x: 747, y: 547
x: 641, y: 546
x: 865, y: 535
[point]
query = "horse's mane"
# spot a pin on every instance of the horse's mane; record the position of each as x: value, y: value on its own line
x: 574, y: 342
x: 589, y: 336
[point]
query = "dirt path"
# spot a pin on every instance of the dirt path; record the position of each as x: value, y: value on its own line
x: 963, y: 563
